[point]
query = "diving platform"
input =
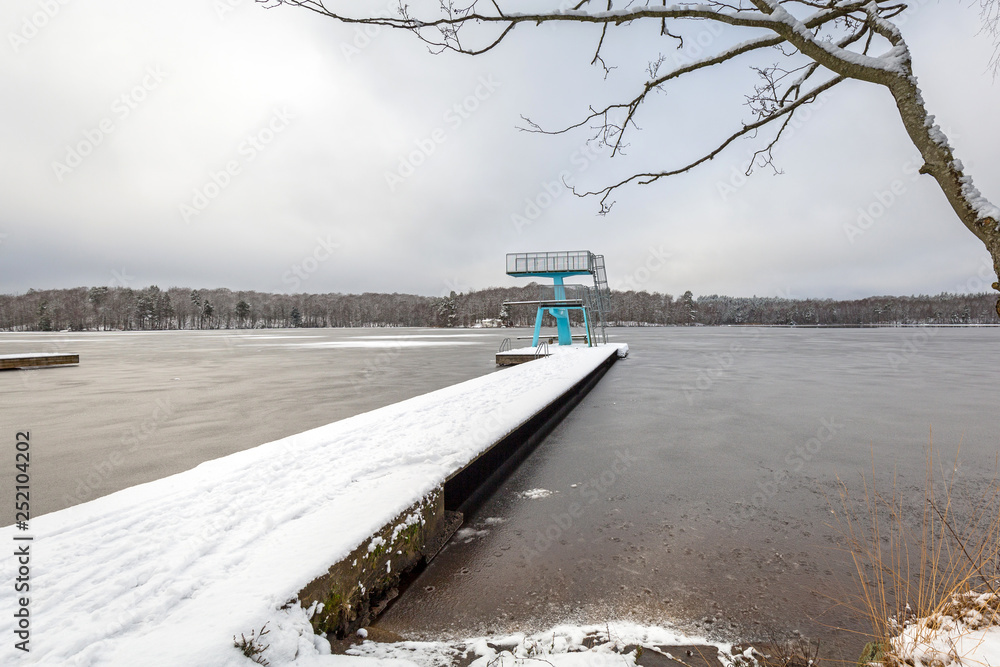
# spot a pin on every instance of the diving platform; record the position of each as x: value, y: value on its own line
x: 36, y: 360
x: 593, y: 303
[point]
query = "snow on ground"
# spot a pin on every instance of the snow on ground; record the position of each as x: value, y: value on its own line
x: 563, y: 646
x: 31, y: 354
x: 167, y: 573
x: 273, y: 336
x: 379, y: 342
x: 965, y: 632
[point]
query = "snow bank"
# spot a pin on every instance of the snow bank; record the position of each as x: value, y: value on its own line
x: 602, y: 645
x: 167, y: 573
x: 965, y: 632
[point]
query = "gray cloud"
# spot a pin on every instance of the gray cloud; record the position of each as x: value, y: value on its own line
x: 285, y: 133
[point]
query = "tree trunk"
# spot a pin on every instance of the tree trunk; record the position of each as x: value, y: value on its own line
x: 974, y: 210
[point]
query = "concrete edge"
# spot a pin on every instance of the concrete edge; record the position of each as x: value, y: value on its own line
x: 356, y: 589
x: 467, y: 487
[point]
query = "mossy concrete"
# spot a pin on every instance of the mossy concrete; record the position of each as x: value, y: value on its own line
x: 356, y: 589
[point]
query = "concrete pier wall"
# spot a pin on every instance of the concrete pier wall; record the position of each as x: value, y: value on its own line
x: 355, y: 590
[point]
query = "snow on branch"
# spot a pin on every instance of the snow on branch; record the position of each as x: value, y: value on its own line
x: 765, y: 100
x: 450, y: 19
x: 844, y: 37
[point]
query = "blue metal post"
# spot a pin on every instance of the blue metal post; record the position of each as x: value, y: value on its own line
x: 538, y: 326
x: 561, y: 314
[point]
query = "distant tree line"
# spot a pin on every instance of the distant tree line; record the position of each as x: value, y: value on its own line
x: 150, y: 308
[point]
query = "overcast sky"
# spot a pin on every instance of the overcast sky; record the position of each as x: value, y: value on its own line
x: 220, y: 144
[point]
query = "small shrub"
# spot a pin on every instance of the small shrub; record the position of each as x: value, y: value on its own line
x: 253, y: 647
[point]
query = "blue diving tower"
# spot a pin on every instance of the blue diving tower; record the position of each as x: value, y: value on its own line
x: 595, y: 302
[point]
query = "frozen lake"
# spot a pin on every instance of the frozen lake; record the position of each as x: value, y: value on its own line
x: 144, y: 405
x: 693, y: 485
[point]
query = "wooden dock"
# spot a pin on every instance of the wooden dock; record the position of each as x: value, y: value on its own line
x: 521, y: 356
x: 36, y: 360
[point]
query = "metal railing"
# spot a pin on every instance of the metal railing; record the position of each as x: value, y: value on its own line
x: 549, y: 262
x: 595, y: 301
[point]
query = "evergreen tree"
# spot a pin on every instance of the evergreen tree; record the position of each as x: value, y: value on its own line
x: 44, y: 321
x: 242, y: 311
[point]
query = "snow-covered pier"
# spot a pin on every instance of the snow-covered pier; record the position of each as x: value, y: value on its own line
x: 302, y: 534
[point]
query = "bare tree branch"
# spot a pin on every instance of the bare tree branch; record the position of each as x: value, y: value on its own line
x: 647, y: 178
x: 841, y: 36
x: 990, y: 16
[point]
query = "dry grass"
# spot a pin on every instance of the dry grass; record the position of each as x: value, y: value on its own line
x: 931, y: 560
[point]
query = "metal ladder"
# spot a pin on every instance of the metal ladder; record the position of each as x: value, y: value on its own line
x: 602, y: 293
